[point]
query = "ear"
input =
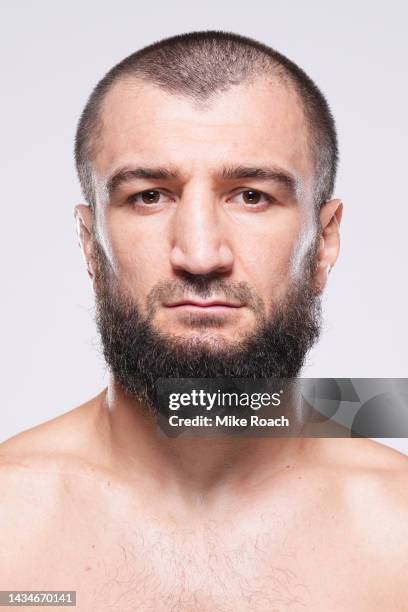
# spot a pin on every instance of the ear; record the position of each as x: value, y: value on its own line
x: 84, y: 219
x: 330, y: 218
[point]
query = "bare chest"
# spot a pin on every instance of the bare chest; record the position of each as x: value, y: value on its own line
x: 148, y: 566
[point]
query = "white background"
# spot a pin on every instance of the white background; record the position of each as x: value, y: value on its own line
x: 53, y: 53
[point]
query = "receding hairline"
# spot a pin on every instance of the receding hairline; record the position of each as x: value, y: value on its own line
x: 199, y: 65
x: 203, y: 103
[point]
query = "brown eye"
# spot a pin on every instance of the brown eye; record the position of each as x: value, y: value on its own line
x: 251, y: 197
x: 150, y: 197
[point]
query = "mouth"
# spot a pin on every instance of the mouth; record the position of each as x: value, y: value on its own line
x: 210, y: 306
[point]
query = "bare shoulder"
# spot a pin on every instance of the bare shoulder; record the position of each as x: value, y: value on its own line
x: 67, y: 432
x: 363, y: 510
x: 372, y: 481
x: 362, y: 463
x: 366, y: 455
x: 43, y: 471
x: 35, y: 463
x: 72, y: 434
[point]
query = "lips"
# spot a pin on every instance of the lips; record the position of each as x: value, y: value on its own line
x: 202, y: 304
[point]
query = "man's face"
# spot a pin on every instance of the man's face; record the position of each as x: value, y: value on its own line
x: 204, y: 220
x: 198, y: 222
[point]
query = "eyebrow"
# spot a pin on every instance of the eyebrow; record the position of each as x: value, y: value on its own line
x: 125, y: 175
x: 275, y: 174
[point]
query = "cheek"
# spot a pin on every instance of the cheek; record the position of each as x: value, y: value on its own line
x: 270, y: 259
x: 137, y: 257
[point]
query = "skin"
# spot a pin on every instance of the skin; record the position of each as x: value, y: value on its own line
x: 98, y: 503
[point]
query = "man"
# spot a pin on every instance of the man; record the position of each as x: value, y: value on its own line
x: 208, y: 163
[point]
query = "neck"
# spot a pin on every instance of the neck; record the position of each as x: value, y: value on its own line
x: 191, y: 467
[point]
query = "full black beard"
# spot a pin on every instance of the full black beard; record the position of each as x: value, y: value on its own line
x: 138, y: 355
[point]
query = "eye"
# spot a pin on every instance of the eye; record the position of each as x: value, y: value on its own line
x: 252, y: 198
x: 149, y: 197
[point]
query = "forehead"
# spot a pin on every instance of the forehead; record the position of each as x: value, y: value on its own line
x: 254, y: 123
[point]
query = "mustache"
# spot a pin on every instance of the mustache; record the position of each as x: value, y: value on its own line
x: 204, y: 286
x: 187, y: 284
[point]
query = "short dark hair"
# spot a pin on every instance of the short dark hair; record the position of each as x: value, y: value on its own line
x: 197, y: 65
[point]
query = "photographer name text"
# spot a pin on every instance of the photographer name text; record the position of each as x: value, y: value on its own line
x: 228, y: 421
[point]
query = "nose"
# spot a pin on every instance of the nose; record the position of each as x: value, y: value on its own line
x: 200, y: 240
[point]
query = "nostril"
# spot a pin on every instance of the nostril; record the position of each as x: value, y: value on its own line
x: 202, y: 261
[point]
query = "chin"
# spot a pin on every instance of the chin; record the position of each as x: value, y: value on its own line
x: 204, y: 326
x: 217, y: 340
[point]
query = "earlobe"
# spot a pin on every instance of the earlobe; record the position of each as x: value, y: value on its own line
x: 328, y: 251
x: 84, y: 219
